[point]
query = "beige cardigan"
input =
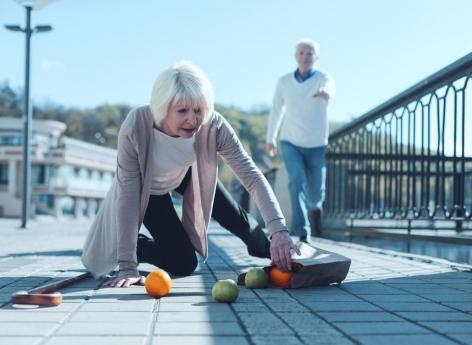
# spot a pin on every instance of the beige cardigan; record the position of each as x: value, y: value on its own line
x: 112, y: 238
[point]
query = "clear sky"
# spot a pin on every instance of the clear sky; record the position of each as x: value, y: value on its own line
x: 109, y: 51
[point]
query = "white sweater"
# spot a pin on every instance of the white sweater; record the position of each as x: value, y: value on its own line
x: 172, y: 158
x: 303, y: 117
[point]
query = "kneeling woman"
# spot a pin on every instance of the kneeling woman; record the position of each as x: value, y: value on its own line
x: 172, y: 145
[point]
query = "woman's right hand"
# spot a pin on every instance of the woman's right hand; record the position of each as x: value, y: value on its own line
x: 125, y: 281
x: 281, y: 247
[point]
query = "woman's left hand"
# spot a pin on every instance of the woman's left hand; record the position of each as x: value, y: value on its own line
x: 281, y: 248
x: 125, y: 281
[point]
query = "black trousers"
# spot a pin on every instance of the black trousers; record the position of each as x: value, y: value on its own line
x: 171, y: 249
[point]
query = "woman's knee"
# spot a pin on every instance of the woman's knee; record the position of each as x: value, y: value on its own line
x: 183, y: 267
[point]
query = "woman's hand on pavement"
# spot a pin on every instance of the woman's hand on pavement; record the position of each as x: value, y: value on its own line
x: 281, y: 248
x: 125, y: 281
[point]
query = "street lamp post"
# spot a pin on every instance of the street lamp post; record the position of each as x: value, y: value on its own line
x: 27, y: 115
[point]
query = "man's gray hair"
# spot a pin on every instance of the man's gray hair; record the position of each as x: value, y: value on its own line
x: 182, y: 82
x: 309, y: 43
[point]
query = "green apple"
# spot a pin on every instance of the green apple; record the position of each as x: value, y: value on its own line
x: 225, y: 291
x: 256, y: 278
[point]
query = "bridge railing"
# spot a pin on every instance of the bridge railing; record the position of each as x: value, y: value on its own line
x: 409, y: 159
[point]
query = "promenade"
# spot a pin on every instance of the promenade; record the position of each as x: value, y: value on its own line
x: 388, y: 298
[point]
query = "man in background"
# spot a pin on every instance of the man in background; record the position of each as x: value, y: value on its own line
x: 299, y: 110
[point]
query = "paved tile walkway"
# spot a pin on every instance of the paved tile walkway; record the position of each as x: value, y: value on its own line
x: 388, y: 298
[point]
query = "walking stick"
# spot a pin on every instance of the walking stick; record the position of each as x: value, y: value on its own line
x: 45, y: 295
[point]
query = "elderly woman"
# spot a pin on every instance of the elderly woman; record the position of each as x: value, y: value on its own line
x: 172, y: 145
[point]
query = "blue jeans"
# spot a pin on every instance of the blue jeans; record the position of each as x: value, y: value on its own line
x: 306, y: 168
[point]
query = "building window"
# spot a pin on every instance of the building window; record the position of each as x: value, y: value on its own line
x: 53, y: 170
x: 47, y: 199
x: 82, y: 205
x: 38, y: 174
x: 11, y: 140
x: 3, y: 173
x: 66, y: 205
x: 96, y: 206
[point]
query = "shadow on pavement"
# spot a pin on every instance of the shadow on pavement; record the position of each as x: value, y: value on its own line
x: 76, y: 252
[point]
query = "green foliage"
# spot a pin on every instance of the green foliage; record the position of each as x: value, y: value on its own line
x: 99, y: 125
x: 9, y: 101
x: 251, y: 130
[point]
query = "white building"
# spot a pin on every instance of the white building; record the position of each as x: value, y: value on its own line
x: 68, y: 176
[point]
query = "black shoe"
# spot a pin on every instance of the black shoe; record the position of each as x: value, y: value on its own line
x: 304, y: 239
x: 315, y: 222
x: 257, y: 243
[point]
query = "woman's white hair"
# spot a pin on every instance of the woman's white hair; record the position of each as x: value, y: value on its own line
x: 309, y: 43
x: 182, y: 82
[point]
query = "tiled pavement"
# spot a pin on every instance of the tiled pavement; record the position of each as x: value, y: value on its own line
x: 388, y: 298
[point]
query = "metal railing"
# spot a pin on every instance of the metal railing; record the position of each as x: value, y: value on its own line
x: 410, y: 158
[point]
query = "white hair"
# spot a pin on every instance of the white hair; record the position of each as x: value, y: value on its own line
x: 182, y: 82
x: 309, y: 43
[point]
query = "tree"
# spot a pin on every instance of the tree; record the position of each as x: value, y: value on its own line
x: 9, y: 101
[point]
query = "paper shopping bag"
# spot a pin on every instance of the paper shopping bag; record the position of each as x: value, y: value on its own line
x: 314, y: 267
x: 318, y: 267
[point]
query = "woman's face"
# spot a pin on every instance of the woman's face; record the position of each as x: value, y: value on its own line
x: 182, y: 120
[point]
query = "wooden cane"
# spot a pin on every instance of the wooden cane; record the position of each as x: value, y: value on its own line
x: 42, y: 295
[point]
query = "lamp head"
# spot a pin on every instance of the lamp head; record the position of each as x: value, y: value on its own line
x: 13, y: 28
x: 42, y: 28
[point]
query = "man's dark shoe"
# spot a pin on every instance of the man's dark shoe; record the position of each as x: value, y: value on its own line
x: 315, y: 222
x: 304, y: 239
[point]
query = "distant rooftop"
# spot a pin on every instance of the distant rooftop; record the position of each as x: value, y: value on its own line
x: 48, y: 127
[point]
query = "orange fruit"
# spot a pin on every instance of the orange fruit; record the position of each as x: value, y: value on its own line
x: 280, y: 278
x: 158, y: 283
